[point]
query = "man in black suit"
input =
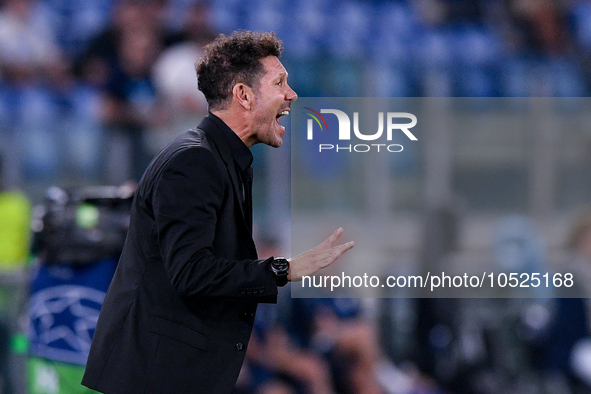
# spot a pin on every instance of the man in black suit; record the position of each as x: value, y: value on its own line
x: 180, y: 309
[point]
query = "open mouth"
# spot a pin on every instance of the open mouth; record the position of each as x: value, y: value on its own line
x: 280, y: 114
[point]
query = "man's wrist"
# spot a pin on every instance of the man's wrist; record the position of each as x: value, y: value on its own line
x: 281, y: 268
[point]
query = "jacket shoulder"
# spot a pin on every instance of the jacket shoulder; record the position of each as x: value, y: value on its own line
x: 191, y: 140
x: 194, y: 138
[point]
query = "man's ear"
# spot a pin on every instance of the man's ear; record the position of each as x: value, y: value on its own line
x: 243, y: 95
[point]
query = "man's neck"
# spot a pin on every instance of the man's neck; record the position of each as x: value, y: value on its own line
x: 239, y: 124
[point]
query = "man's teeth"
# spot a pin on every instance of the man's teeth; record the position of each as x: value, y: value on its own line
x: 283, y: 113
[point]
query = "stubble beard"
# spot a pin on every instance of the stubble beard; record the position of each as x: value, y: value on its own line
x: 270, y: 134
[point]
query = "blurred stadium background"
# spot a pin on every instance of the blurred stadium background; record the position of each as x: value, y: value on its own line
x: 91, y: 89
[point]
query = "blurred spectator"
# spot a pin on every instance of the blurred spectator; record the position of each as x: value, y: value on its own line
x: 15, y: 213
x: 568, y: 354
x: 50, y: 128
x: 197, y: 25
x: 28, y: 47
x: 30, y: 61
x: 75, y: 22
x: 175, y: 79
x: 518, y: 246
x: 449, y: 12
x: 100, y: 60
x: 336, y: 329
x: 542, y: 26
x: 120, y: 61
x: 579, y: 243
x: 275, y: 363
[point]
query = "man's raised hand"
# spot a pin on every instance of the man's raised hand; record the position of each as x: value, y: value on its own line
x: 323, y: 255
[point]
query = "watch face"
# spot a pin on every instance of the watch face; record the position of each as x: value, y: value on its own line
x: 281, y: 265
x: 280, y: 268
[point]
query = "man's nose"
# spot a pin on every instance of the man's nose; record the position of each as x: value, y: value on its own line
x: 291, y: 95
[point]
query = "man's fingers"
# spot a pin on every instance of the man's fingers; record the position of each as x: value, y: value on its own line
x: 333, y: 237
x: 347, y: 246
x: 340, y: 249
x: 323, y: 255
x: 336, y: 251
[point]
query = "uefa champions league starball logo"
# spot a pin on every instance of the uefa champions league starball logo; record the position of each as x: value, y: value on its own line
x: 62, y: 320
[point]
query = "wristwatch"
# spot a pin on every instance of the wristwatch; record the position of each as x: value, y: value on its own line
x: 280, y: 267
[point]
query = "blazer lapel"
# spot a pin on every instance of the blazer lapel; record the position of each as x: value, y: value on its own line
x: 223, y: 149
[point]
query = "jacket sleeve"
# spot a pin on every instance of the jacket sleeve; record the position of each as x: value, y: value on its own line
x: 187, y: 200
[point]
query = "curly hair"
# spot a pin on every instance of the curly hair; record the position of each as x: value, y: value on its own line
x: 233, y: 59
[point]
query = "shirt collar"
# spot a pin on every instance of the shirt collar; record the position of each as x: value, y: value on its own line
x: 240, y: 152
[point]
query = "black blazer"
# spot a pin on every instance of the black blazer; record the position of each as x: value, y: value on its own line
x: 180, y: 309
